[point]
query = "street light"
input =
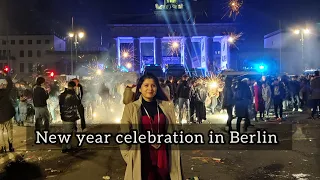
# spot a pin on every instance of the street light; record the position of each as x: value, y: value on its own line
x: 81, y: 35
x: 302, y: 33
x: 72, y: 35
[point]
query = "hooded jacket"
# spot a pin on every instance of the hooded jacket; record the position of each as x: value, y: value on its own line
x: 6, y: 108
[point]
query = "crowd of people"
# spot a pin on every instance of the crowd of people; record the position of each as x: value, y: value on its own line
x: 51, y: 102
x: 150, y: 106
x: 252, y: 98
x: 194, y: 98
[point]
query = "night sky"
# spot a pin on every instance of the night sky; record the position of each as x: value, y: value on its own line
x: 257, y: 18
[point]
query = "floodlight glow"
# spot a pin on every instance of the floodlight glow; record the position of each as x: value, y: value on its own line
x: 117, y: 120
x: 261, y: 67
x: 71, y: 35
x: 99, y: 72
x: 297, y: 31
x: 306, y: 31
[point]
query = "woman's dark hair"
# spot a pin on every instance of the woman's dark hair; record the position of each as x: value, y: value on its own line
x: 161, y: 80
x: 159, y: 95
x: 71, y: 84
x: 40, y: 80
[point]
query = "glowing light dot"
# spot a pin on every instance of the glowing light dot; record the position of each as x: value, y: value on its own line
x: 297, y: 31
x: 125, y: 54
x: 118, y: 120
x: 129, y: 65
x: 231, y: 39
x: 81, y: 34
x: 175, y: 45
x: 213, y: 85
x: 99, y: 72
x: 71, y: 35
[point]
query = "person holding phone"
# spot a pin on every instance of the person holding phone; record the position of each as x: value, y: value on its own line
x: 7, y: 112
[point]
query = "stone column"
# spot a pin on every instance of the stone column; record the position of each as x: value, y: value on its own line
x: 187, y: 51
x: 136, y: 46
x: 210, y: 49
x: 158, y: 51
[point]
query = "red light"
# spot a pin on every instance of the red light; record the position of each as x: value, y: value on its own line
x: 51, y: 74
x: 6, y: 68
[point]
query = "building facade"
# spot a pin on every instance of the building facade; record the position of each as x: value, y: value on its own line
x: 21, y: 52
x: 171, y: 36
x: 294, y: 52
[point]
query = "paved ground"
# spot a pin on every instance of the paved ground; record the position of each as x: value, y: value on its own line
x: 302, y: 162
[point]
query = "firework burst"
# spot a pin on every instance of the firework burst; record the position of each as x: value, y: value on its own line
x: 233, y: 38
x: 174, y: 45
x: 214, y: 84
x: 127, y: 57
x: 233, y: 8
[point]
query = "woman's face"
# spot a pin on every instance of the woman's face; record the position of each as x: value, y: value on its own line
x: 148, y: 89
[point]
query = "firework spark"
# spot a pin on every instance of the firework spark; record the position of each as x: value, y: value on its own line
x: 213, y: 84
x: 233, y: 8
x: 174, y: 45
x: 128, y: 58
x: 233, y: 38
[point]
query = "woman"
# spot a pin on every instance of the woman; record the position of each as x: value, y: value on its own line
x: 258, y: 99
x: 151, y: 111
x: 266, y: 95
x: 200, y: 98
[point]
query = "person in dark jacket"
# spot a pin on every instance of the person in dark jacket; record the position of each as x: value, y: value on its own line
x: 243, y: 98
x: 173, y: 88
x: 278, y: 94
x: 315, y: 93
x: 69, y: 103
x: 40, y: 97
x: 7, y: 112
x: 201, y: 95
x: 228, y: 100
x: 294, y: 89
x: 183, y: 93
x: 79, y: 92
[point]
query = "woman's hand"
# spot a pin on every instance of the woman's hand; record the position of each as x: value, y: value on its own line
x: 131, y: 85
